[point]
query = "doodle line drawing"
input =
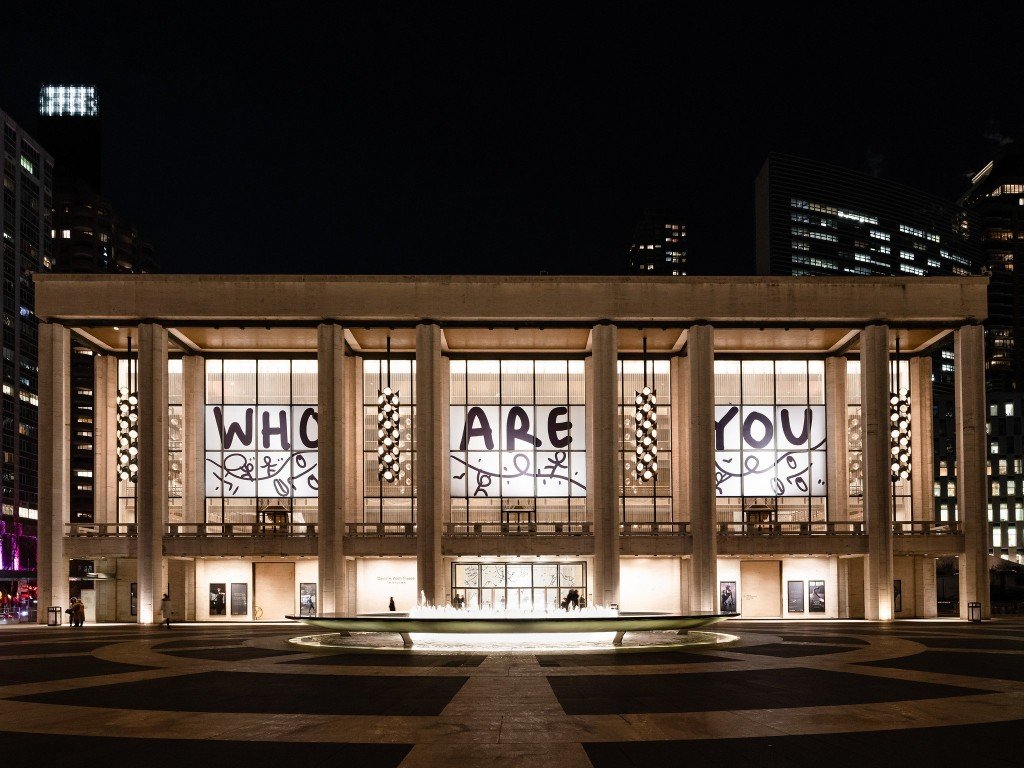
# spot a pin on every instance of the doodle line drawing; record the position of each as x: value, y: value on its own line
x: 752, y: 466
x: 521, y: 463
x: 236, y: 468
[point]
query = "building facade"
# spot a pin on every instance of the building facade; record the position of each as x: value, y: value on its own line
x: 281, y: 444
x: 27, y: 172
x: 659, y: 245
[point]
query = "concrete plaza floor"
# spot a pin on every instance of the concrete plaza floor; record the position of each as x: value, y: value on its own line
x: 820, y: 693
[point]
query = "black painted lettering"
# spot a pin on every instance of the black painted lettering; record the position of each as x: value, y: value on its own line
x: 234, y: 430
x: 517, y: 427
x: 720, y: 427
x: 787, y: 429
x: 281, y: 429
x: 304, y: 438
x: 555, y: 426
x: 477, y: 415
x: 765, y: 422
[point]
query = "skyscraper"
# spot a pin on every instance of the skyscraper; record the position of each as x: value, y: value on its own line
x: 27, y: 171
x: 659, y: 245
x: 996, y: 195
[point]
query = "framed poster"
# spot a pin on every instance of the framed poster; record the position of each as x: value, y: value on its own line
x: 133, y: 599
x: 239, y: 599
x: 218, y: 600
x: 727, y: 601
x: 815, y: 596
x: 307, y: 598
x: 795, y: 592
x: 897, y: 596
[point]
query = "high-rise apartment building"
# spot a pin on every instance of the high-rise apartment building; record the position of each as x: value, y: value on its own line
x: 997, y: 197
x: 27, y: 172
x: 659, y: 245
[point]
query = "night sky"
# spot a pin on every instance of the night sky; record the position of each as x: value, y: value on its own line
x: 431, y: 138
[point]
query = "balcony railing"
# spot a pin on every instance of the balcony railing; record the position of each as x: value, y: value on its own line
x: 519, y: 529
x: 847, y: 528
x: 122, y: 530
x: 252, y: 530
x: 380, y: 529
x: 654, y: 529
x: 925, y: 528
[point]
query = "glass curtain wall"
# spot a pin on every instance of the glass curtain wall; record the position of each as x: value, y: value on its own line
x: 518, y: 586
x: 175, y: 435
x: 770, y: 467
x: 644, y: 504
x: 126, y: 493
x: 390, y: 505
x: 261, y: 442
x: 518, y: 446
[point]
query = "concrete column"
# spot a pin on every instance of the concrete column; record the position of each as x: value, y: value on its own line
x: 193, y: 427
x: 104, y: 435
x: 354, y: 447
x: 922, y: 445
x: 843, y: 587
x: 332, y: 465
x: 874, y: 394
x: 971, y: 490
x: 925, y: 585
x: 838, y: 466
x: 151, y: 489
x: 602, y: 492
x: 54, y: 464
x: 432, y: 496
x: 680, y: 449
x: 700, y: 427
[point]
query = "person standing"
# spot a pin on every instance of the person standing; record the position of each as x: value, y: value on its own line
x: 165, y: 610
x: 78, y: 617
x: 391, y: 604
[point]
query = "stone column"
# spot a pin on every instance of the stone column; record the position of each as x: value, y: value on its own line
x: 54, y: 465
x: 680, y: 449
x: 104, y: 436
x: 925, y: 585
x: 602, y: 492
x: 971, y: 469
x: 193, y: 449
x: 922, y: 445
x: 332, y: 465
x: 874, y: 394
x: 151, y: 489
x: 432, y: 496
x: 700, y: 427
x: 836, y: 439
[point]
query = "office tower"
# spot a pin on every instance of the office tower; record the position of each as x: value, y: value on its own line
x: 818, y: 219
x: 659, y: 245
x: 996, y: 195
x: 69, y: 127
x: 27, y: 172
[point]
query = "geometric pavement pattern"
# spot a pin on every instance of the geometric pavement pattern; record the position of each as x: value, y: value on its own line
x: 795, y: 693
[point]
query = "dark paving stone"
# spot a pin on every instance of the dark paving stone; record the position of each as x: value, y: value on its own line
x: 38, y: 649
x: 392, y: 660
x: 989, y: 743
x: 60, y: 668
x: 973, y: 643
x: 271, y: 693
x: 834, y: 639
x: 755, y: 689
x: 1000, y: 666
x: 787, y: 651
x: 31, y: 748
x: 624, y: 659
x: 228, y: 654
x: 206, y: 642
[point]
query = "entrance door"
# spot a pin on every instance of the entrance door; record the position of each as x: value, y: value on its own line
x: 760, y: 589
x: 274, y: 591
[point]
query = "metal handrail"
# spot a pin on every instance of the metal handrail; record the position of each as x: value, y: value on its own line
x: 116, y: 530
x: 926, y: 528
x: 554, y: 528
x: 805, y: 528
x: 241, y: 530
x: 655, y: 529
x: 380, y: 529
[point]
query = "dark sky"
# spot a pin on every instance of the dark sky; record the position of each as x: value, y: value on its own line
x: 436, y: 137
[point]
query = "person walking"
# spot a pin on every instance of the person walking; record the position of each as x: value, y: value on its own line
x: 165, y: 610
x: 78, y: 617
x: 391, y: 604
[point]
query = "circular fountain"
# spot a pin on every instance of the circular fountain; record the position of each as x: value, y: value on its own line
x: 438, y: 627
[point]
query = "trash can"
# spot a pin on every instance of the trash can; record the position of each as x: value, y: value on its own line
x: 54, y: 616
x: 974, y: 612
